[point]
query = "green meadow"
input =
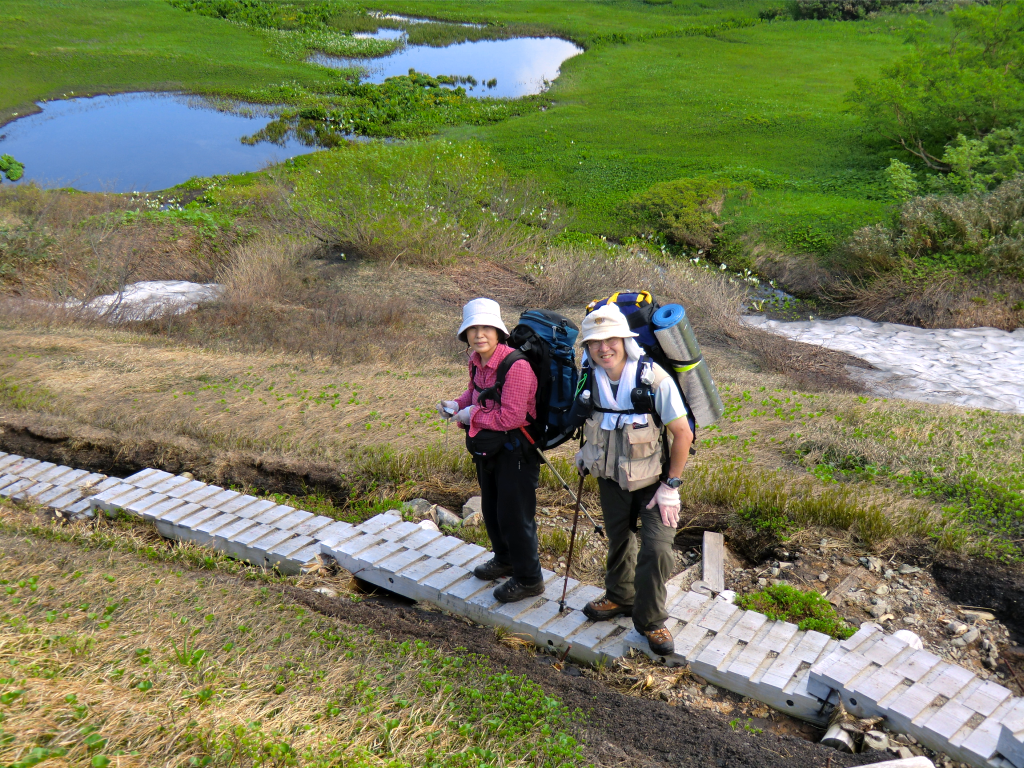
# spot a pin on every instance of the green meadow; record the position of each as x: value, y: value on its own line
x: 761, y: 105
x: 663, y: 91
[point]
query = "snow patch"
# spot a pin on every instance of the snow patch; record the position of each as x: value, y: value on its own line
x: 152, y: 299
x: 974, y: 367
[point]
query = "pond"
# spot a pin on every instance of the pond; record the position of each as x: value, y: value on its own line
x: 508, y: 68
x: 136, y: 142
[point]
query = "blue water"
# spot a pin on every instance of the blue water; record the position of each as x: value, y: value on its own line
x: 522, y: 66
x: 135, y: 142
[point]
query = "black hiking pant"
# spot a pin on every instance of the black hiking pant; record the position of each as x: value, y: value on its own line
x: 639, y: 561
x: 508, y: 491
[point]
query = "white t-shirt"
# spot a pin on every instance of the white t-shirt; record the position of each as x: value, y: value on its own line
x: 667, y: 400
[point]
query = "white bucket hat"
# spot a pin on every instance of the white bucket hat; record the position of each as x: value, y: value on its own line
x: 482, y: 312
x: 606, y: 322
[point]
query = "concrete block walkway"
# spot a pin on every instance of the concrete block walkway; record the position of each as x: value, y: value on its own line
x: 945, y: 707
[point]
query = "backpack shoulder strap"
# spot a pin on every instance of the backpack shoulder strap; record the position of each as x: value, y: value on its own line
x: 473, y: 370
x: 493, y: 393
x: 503, y: 367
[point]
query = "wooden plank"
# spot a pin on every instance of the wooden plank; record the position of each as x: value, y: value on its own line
x: 712, y: 559
x: 845, y: 586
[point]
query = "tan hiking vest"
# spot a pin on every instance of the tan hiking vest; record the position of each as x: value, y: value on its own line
x: 632, y: 456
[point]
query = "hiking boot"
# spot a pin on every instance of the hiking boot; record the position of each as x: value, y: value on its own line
x: 604, y: 609
x: 513, y: 590
x: 492, y: 570
x: 661, y: 641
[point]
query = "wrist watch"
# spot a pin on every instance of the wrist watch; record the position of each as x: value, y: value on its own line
x: 674, y: 482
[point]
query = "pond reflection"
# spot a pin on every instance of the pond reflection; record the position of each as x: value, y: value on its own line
x: 138, y: 141
x: 501, y: 68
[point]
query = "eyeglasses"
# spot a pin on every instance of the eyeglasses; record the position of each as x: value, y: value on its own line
x: 599, y: 343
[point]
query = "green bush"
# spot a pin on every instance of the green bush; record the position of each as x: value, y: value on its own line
x: 844, y: 10
x: 979, y: 164
x: 977, y: 234
x: 684, y: 211
x: 808, y: 610
x: 419, y: 202
x: 265, y: 15
x: 970, y: 83
x: 10, y: 168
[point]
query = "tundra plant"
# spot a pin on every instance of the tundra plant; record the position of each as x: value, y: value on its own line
x: 419, y: 202
x: 10, y: 168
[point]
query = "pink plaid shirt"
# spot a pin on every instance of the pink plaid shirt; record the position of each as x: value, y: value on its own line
x: 518, y: 396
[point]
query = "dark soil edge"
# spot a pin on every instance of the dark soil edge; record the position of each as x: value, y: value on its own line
x: 984, y: 584
x: 103, y: 451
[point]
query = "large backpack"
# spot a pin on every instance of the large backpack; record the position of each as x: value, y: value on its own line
x: 547, y: 340
x: 639, y: 308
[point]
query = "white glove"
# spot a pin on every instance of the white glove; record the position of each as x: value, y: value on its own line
x: 447, y: 409
x: 667, y: 500
x: 465, y: 415
x: 581, y: 465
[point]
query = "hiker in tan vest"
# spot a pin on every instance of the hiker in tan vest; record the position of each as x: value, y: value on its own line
x: 638, y: 459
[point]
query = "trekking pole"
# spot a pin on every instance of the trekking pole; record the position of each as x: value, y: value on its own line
x: 572, y: 542
x: 597, y: 526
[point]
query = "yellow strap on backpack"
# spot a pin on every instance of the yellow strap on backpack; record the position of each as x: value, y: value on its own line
x: 642, y: 297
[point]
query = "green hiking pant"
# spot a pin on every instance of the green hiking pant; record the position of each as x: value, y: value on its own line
x: 639, y: 562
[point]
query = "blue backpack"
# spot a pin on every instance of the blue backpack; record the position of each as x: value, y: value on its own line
x: 547, y: 340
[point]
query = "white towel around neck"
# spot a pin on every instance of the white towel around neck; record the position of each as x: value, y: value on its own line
x: 622, y: 400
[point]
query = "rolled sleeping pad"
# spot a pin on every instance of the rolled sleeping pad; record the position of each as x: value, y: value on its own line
x: 679, y: 343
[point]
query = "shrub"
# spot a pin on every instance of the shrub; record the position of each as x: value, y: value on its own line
x: 979, y: 164
x: 685, y: 211
x: 970, y: 83
x: 10, y: 168
x: 808, y: 610
x: 418, y: 203
x: 844, y: 10
x: 975, y: 234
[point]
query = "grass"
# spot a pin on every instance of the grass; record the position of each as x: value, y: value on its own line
x: 780, y: 459
x: 808, y: 610
x: 762, y: 106
x: 56, y: 49
x: 311, y: 357
x: 137, y: 661
x: 663, y: 91
x: 420, y: 203
x: 324, y: 350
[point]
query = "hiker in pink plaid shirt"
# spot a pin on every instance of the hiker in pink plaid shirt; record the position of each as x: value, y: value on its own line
x: 507, y: 470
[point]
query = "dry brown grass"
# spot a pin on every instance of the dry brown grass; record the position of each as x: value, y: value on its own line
x: 148, y: 388
x: 713, y: 304
x: 943, y: 300
x: 800, y: 273
x: 57, y: 245
x: 292, y: 295
x: 111, y: 653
